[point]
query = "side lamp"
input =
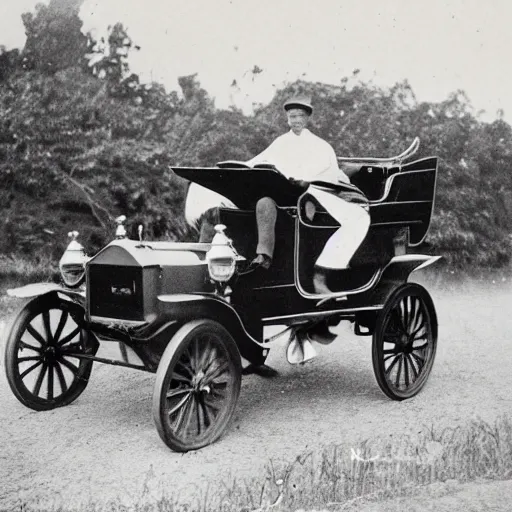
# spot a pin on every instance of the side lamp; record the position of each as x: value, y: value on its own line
x: 72, y: 262
x: 221, y: 257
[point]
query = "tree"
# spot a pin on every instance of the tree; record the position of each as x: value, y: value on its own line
x: 54, y: 37
x: 108, y: 60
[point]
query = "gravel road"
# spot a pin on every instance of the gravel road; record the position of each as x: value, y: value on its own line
x: 105, y: 447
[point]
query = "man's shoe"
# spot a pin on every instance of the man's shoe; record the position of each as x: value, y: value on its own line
x: 261, y: 261
x: 262, y: 370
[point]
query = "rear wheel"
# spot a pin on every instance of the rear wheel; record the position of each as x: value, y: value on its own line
x: 197, y: 386
x: 39, y: 357
x: 405, y: 342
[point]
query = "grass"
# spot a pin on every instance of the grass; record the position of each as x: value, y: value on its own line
x: 335, y: 479
x: 18, y: 271
x: 23, y: 270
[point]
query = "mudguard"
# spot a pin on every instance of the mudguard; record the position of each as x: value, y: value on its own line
x: 182, y: 308
x: 397, y: 271
x: 37, y: 289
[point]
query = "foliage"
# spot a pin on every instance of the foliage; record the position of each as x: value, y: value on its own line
x: 54, y: 38
x: 83, y: 141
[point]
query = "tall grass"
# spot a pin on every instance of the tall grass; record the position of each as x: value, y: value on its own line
x: 19, y: 269
x: 335, y: 478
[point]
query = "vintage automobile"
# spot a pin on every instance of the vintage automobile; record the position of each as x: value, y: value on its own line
x: 190, y: 312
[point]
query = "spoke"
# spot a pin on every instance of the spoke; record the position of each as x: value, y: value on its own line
x: 421, y: 347
x: 29, y: 347
x: 213, y: 357
x: 28, y: 358
x: 69, y: 337
x: 206, y: 413
x: 70, y: 366
x: 177, y: 392
x: 36, y: 335
x: 179, y: 405
x: 217, y: 372
x: 47, y: 326
x: 29, y: 369
x: 204, y: 353
x: 62, y: 322
x: 403, y: 314
x: 390, y: 367
x: 405, y: 302
x: 413, y: 317
x: 39, y: 381
x: 390, y: 351
x: 179, y: 419
x: 398, y: 322
x: 219, y: 390
x: 199, y: 409
x: 196, y: 354
x: 406, y: 371
x: 418, y: 317
x: 420, y: 337
x: 419, y: 360
x: 210, y: 406
x: 185, y: 367
x: 422, y: 325
x: 386, y: 358
x: 411, y: 364
x: 399, y: 371
x: 189, y: 416
x: 50, y: 382
x: 179, y: 377
x: 62, y: 380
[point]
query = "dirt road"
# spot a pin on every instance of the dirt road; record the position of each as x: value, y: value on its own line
x: 105, y: 446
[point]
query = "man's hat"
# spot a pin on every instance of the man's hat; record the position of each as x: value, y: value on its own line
x: 301, y: 102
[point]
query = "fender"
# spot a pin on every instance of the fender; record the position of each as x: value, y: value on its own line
x: 37, y: 289
x: 400, y: 267
x: 182, y: 308
x: 397, y: 271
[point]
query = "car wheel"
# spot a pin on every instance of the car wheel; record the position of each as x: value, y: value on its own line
x: 197, y: 386
x: 405, y: 342
x: 40, y: 356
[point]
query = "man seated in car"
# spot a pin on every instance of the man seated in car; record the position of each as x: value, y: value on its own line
x: 304, y: 157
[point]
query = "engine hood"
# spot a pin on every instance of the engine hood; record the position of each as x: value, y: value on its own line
x: 132, y: 253
x: 125, y: 278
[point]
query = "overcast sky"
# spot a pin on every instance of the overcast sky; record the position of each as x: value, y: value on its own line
x: 439, y: 46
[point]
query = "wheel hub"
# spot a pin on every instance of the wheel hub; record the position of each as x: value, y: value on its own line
x: 199, y: 383
x: 50, y: 353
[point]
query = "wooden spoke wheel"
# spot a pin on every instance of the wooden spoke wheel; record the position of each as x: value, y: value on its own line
x: 40, y: 356
x: 405, y: 342
x: 197, y: 386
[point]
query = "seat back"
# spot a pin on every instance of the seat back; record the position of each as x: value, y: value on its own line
x: 408, y: 199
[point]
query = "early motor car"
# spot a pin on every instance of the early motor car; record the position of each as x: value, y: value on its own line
x: 191, y: 313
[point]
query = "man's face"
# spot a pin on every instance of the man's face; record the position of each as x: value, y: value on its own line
x: 297, y: 120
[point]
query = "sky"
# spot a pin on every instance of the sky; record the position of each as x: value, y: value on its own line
x: 439, y: 46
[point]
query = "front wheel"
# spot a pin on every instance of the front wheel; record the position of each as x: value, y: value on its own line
x: 405, y: 342
x: 40, y: 361
x: 197, y: 386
